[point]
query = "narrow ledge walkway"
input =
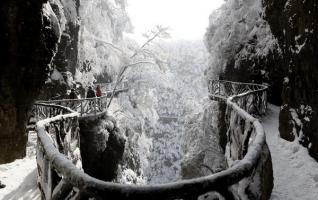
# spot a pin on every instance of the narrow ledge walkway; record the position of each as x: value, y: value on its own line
x: 295, y: 172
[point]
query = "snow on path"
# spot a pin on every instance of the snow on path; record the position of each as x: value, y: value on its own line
x: 20, y: 176
x: 295, y: 172
x: 20, y: 180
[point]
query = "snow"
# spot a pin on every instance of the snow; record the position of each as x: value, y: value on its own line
x: 299, y: 47
x: 56, y: 25
x: 286, y: 80
x: 237, y: 31
x: 153, y: 141
x: 20, y: 176
x: 101, y: 42
x: 295, y: 172
x: 57, y: 76
x: 128, y: 176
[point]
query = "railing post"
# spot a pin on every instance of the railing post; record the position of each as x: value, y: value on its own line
x: 82, y: 108
x: 219, y: 84
x: 95, y: 99
x: 36, y: 112
x: 105, y: 104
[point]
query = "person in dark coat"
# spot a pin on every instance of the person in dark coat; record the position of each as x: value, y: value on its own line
x: 90, y: 93
x: 2, y: 185
x: 73, y: 94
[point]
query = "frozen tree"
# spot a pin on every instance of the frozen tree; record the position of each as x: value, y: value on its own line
x: 102, y: 23
x: 142, y: 55
x: 238, y: 33
x: 154, y: 95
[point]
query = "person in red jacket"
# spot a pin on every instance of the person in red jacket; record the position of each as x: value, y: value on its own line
x: 98, y: 91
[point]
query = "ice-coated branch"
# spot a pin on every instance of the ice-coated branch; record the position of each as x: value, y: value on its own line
x: 158, y: 32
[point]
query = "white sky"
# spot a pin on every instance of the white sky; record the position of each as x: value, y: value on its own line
x: 187, y: 19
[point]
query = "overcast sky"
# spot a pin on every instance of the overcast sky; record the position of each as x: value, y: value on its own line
x: 187, y: 19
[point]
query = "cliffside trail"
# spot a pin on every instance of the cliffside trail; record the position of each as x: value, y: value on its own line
x: 295, y: 172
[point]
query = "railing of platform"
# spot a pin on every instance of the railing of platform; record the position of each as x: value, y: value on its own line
x: 63, y: 179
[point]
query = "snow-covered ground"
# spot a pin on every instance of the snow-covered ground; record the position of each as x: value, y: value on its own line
x: 295, y: 172
x: 20, y: 176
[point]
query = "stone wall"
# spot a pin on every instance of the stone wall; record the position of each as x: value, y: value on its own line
x: 295, y: 24
x: 65, y: 61
x: 28, y: 38
x: 242, y: 47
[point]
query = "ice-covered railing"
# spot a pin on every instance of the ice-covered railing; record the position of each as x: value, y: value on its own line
x: 58, y: 132
x: 250, y: 96
x: 82, y: 106
x: 244, y: 101
x: 108, y: 87
x: 90, y: 105
x: 245, y: 135
x: 66, y: 180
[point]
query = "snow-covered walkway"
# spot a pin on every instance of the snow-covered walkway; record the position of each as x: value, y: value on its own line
x: 20, y: 176
x: 295, y: 172
x: 20, y: 180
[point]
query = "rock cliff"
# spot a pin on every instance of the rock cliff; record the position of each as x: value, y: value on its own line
x: 295, y: 25
x: 29, y: 32
x: 32, y: 33
x: 242, y: 47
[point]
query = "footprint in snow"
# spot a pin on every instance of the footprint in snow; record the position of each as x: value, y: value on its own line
x: 297, y: 165
x: 315, y: 177
x: 295, y: 148
x: 3, y: 169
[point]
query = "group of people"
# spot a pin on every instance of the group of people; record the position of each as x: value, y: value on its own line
x: 89, y: 94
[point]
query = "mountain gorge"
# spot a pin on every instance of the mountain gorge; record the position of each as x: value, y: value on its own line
x: 167, y: 126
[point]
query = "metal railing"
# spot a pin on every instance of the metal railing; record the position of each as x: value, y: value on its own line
x: 71, y: 181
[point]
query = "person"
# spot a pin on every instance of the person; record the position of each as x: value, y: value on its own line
x: 2, y: 185
x: 90, y: 92
x: 98, y: 91
x: 73, y: 94
x: 80, y: 89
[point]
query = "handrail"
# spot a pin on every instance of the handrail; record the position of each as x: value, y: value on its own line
x: 83, y: 106
x: 109, y: 86
x: 219, y: 182
x: 65, y: 109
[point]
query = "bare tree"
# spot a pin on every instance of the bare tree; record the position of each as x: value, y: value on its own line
x: 157, y: 32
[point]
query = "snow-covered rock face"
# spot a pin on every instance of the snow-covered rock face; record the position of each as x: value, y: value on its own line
x: 242, y: 47
x: 102, y: 146
x: 29, y: 34
x: 102, y: 24
x: 65, y: 60
x: 91, y: 44
x: 295, y: 25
